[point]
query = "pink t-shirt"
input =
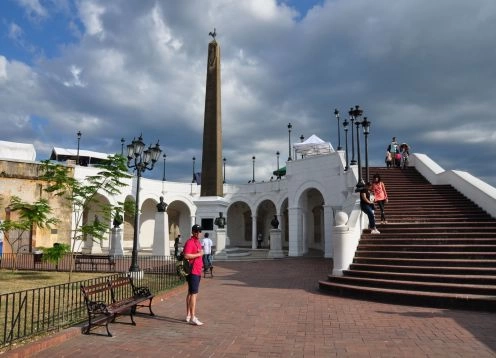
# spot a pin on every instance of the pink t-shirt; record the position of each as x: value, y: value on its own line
x: 379, y: 191
x: 193, y: 246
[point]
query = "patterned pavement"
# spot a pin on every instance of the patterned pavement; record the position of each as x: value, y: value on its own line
x: 273, y: 308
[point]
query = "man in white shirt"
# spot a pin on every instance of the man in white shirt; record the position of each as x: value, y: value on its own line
x: 207, y: 252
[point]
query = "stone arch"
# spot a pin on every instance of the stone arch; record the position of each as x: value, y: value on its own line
x: 179, y: 214
x: 284, y: 223
x: 311, y: 228
x: 95, y: 210
x: 265, y: 212
x: 239, y: 224
x: 147, y: 223
x: 128, y: 225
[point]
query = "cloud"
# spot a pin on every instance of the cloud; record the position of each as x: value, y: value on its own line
x: 33, y: 8
x: 421, y: 70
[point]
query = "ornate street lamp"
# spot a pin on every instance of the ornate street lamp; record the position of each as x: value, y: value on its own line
x: 78, y: 138
x: 164, y: 156
x: 360, y: 183
x: 194, y: 179
x: 354, y: 114
x: 141, y: 161
x: 345, y: 126
x: 253, y: 167
x: 352, y: 120
x: 224, y: 161
x: 366, y: 131
x: 336, y: 113
x: 302, y: 138
x: 122, y: 146
x: 357, y: 112
x: 289, y: 140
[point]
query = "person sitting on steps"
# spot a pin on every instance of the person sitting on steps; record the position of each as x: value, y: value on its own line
x: 367, y: 206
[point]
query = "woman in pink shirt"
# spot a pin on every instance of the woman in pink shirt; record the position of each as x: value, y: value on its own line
x: 380, y: 195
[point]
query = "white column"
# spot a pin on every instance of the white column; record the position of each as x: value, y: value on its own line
x: 294, y: 231
x: 91, y: 247
x: 161, y: 245
x: 328, y: 224
x: 253, y: 232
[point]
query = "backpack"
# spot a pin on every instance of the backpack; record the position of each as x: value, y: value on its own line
x: 183, y: 267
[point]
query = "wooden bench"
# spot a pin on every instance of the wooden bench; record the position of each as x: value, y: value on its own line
x: 107, y: 300
x: 84, y: 261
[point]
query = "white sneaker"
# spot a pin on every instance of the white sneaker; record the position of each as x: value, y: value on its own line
x: 196, y: 321
x: 188, y: 319
x: 375, y: 231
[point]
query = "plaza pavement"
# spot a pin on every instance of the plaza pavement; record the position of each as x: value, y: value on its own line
x: 273, y: 308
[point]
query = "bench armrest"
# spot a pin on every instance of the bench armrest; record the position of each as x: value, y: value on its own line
x: 97, y: 307
x: 142, y: 291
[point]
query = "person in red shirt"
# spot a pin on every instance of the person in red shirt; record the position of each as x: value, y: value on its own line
x: 193, y: 252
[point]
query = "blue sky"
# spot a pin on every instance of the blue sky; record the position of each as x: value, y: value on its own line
x: 423, y: 71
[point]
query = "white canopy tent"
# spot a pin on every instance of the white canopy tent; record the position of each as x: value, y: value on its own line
x: 313, y: 146
x: 86, y: 157
x: 17, y: 151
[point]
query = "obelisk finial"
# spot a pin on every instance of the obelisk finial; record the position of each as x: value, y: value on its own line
x: 213, y: 34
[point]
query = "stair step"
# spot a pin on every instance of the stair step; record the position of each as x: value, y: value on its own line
x: 435, y: 270
x: 425, y: 277
x: 438, y: 248
x: 418, y: 298
x: 421, y: 249
x: 417, y: 285
x: 427, y: 255
x: 427, y: 262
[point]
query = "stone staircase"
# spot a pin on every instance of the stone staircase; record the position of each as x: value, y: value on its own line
x: 438, y: 249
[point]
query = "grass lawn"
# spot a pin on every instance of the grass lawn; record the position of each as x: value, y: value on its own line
x: 13, y: 281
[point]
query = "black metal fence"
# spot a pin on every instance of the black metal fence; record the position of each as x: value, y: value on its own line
x: 36, y: 311
x: 30, y: 261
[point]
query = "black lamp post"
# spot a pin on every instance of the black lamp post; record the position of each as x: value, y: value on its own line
x: 360, y: 183
x: 164, y: 156
x: 336, y: 113
x: 289, y: 141
x: 122, y: 146
x: 302, y: 138
x: 366, y: 131
x: 253, y: 167
x: 79, y: 138
x: 194, y: 179
x: 224, y: 161
x: 345, y: 126
x: 141, y: 160
x: 278, y: 174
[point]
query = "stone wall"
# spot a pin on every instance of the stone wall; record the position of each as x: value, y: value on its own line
x: 21, y: 179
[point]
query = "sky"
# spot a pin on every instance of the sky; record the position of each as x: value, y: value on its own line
x: 422, y: 70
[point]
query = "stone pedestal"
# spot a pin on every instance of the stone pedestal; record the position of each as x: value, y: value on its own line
x: 161, y: 235
x: 220, y: 247
x: 344, y: 244
x: 275, y: 244
x: 116, y: 242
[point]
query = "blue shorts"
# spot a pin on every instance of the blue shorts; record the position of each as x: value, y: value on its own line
x: 193, y: 283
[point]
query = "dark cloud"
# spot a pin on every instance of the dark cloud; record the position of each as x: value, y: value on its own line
x: 422, y: 70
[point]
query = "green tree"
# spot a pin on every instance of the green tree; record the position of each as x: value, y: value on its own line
x: 28, y: 216
x: 82, y: 194
x: 55, y: 253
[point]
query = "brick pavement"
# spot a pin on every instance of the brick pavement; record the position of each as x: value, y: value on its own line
x: 274, y: 309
